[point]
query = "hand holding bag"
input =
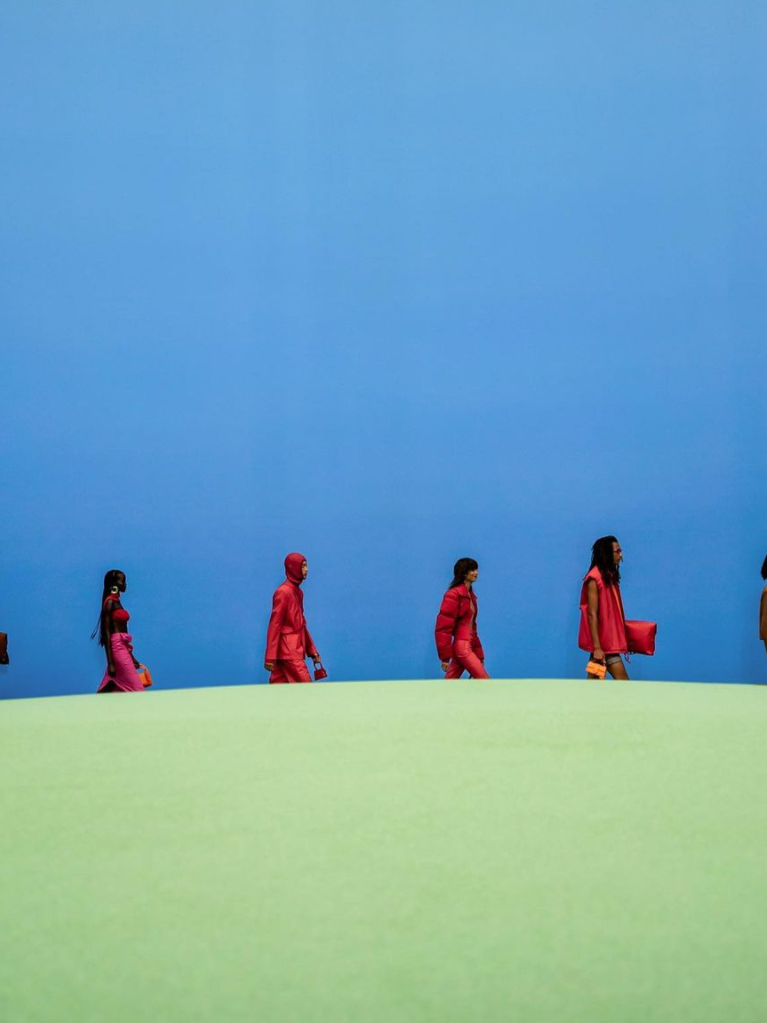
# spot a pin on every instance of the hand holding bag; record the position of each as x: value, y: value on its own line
x: 319, y: 672
x: 145, y: 674
x: 597, y: 668
x: 640, y: 637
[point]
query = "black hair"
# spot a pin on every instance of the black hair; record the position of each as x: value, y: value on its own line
x: 110, y: 580
x: 602, y: 557
x: 764, y: 569
x: 460, y: 570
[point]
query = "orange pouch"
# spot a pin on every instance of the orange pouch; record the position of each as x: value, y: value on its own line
x: 596, y: 668
x: 146, y: 676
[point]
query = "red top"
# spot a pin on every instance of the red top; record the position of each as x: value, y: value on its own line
x: 119, y: 614
x: 457, y: 619
x: 611, y: 621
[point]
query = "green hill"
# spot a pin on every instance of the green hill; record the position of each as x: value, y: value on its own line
x: 405, y: 851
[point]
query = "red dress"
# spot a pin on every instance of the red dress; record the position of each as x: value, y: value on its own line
x: 611, y: 621
x: 288, y: 640
x: 456, y: 633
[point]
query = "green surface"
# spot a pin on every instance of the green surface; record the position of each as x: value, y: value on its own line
x: 419, y: 851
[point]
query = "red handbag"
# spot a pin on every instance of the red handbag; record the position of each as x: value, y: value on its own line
x: 640, y: 637
x: 319, y: 673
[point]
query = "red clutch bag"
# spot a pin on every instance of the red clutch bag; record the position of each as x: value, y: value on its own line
x: 640, y: 637
x: 319, y: 673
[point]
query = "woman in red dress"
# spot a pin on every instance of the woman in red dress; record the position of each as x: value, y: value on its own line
x: 458, y: 645
x: 112, y: 629
x: 603, y: 623
x: 288, y: 640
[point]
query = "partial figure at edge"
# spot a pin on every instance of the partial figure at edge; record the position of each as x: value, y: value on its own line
x: 458, y: 644
x: 112, y: 628
x: 763, y: 609
x: 288, y: 640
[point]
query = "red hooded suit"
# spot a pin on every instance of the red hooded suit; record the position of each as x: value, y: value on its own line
x: 288, y: 642
x: 456, y: 633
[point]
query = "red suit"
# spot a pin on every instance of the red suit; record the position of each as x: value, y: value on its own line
x: 456, y: 633
x: 288, y: 641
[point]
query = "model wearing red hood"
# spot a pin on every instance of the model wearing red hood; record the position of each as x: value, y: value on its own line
x: 288, y: 641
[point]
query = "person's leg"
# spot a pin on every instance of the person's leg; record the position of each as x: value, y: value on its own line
x: 466, y: 657
x: 616, y: 667
x: 277, y: 676
x: 455, y: 669
x: 294, y: 670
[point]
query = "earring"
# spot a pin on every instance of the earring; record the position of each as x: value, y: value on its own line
x: 115, y: 589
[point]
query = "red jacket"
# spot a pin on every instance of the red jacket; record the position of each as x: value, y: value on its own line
x: 287, y: 618
x: 457, y: 619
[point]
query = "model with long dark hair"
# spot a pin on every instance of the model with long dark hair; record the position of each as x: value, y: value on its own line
x: 603, y: 622
x: 112, y: 631
x: 458, y: 645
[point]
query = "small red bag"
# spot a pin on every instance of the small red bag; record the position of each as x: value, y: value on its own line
x: 319, y: 673
x: 640, y: 637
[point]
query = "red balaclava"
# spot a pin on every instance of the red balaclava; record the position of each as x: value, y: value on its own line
x: 293, y: 564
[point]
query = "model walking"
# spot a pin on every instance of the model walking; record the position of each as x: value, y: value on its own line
x: 763, y: 609
x: 458, y: 645
x: 603, y: 623
x: 288, y: 640
x: 112, y: 629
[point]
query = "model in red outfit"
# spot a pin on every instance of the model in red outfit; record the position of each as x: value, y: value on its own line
x: 121, y: 674
x: 458, y: 644
x: 603, y: 623
x: 288, y: 641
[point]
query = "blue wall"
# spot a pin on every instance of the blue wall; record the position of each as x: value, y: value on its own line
x: 388, y: 283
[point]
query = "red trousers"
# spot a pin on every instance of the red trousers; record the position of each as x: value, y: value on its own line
x: 291, y: 667
x: 294, y: 670
x: 465, y: 659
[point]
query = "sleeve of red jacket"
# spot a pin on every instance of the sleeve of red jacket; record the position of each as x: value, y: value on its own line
x: 273, y: 629
x: 445, y: 627
x: 311, y: 649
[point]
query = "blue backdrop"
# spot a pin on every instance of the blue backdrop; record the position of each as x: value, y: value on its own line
x: 387, y: 283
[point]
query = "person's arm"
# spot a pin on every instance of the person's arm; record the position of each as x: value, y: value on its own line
x: 106, y: 636
x: 445, y: 627
x: 273, y: 629
x: 311, y: 649
x: 763, y: 616
x: 592, y: 596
